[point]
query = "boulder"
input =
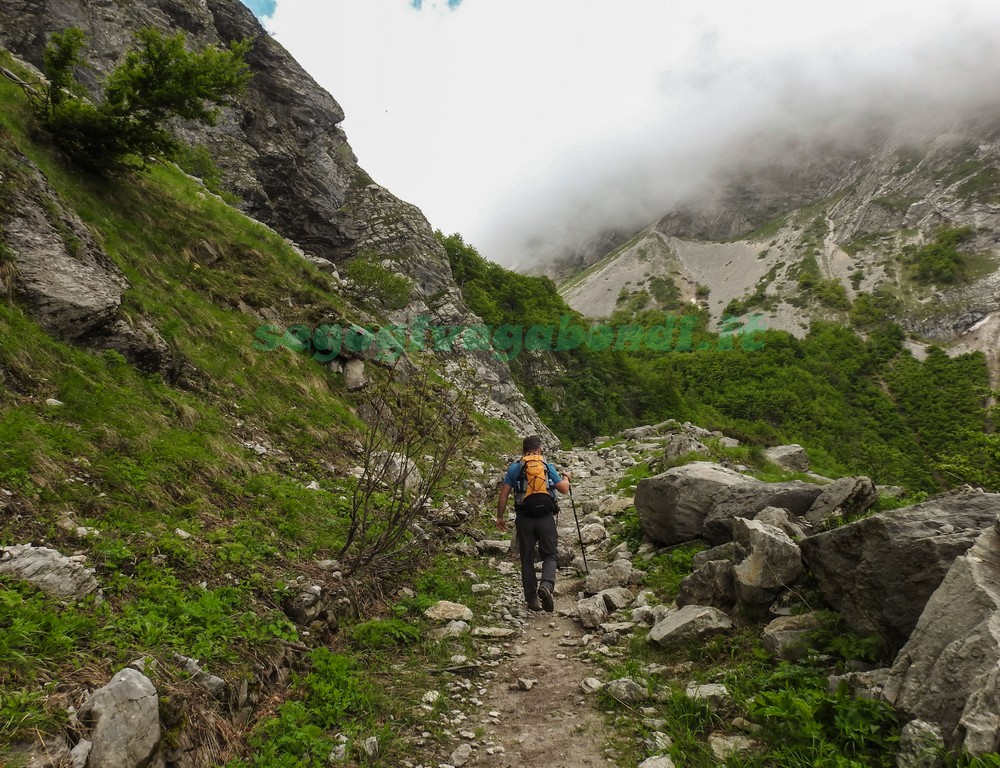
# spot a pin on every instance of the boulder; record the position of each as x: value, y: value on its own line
x: 880, y: 571
x: 672, y: 506
x: 692, y: 622
x: 845, y: 497
x: 712, y: 584
x: 948, y: 673
x: 773, y: 564
x: 790, y: 457
x: 124, y: 721
x: 750, y: 499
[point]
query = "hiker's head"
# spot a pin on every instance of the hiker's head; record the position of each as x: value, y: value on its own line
x: 531, y: 444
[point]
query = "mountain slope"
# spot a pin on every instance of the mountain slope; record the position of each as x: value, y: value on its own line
x: 801, y: 244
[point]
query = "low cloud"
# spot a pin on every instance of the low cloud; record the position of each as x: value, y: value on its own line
x: 732, y: 114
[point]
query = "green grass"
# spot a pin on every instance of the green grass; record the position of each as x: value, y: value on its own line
x: 201, y: 540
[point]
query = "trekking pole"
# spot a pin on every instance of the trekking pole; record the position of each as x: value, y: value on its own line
x: 579, y: 533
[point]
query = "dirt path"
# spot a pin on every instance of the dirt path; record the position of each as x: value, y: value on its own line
x: 536, y: 710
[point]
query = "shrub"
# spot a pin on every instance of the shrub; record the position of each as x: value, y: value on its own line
x: 940, y: 261
x: 156, y: 81
x: 374, y: 281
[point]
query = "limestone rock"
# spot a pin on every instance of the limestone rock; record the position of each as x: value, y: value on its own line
x: 715, y: 695
x: 593, y: 533
x: 880, y: 571
x: 354, y: 374
x: 948, y: 673
x: 846, y: 496
x: 791, y: 457
x: 795, y: 527
x: 725, y: 746
x: 124, y: 721
x: 52, y: 572
x: 749, y: 499
x: 627, y: 691
x: 783, y: 634
x: 616, y: 598
x: 692, y: 622
x: 659, y: 761
x: 619, y: 574
x: 306, y: 606
x: 920, y: 746
x: 672, y: 506
x: 443, y: 610
x: 773, y: 564
x: 712, y: 584
x: 593, y: 611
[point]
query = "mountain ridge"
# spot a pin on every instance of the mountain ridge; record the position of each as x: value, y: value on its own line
x: 854, y: 223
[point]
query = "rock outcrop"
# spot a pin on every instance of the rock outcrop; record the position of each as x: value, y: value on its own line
x: 948, y: 673
x: 880, y: 571
x: 281, y: 151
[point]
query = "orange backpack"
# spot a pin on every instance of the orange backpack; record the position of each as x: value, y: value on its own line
x: 535, y: 498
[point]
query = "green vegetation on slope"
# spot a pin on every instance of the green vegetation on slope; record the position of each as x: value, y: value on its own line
x: 863, y: 406
x: 198, y: 493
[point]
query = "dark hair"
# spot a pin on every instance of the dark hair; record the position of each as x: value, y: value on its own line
x: 531, y: 443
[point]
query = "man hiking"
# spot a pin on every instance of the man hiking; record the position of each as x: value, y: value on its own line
x: 534, y: 482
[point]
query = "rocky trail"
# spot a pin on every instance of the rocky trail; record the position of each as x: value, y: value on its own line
x: 536, y: 699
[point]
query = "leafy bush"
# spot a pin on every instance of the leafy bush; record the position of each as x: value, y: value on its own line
x: 940, y: 261
x: 376, y: 282
x: 157, y: 80
x: 805, y: 724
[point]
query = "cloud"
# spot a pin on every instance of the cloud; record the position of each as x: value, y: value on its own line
x: 530, y: 125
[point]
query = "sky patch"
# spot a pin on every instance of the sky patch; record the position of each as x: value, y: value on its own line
x: 452, y: 4
x: 261, y: 8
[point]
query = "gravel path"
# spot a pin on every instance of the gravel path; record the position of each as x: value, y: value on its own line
x: 530, y: 706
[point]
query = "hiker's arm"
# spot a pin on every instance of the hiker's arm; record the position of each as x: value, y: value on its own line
x: 563, y: 484
x: 502, y: 507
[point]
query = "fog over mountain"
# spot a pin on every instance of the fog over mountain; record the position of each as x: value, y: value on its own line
x: 913, y: 76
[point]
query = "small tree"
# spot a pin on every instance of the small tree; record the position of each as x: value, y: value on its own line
x: 414, y: 432
x: 376, y: 283
x: 159, y: 79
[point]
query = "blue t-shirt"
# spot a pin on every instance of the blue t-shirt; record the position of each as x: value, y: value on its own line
x: 513, y: 476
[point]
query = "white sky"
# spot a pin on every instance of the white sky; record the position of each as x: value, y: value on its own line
x: 528, y: 124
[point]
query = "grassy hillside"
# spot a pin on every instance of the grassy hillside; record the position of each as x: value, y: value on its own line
x: 204, y: 504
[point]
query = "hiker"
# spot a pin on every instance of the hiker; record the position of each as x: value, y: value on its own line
x: 534, y: 482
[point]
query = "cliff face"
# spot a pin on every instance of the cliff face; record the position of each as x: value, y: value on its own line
x: 281, y: 152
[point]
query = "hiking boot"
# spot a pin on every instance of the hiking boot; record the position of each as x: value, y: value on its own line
x: 534, y: 605
x: 545, y: 598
